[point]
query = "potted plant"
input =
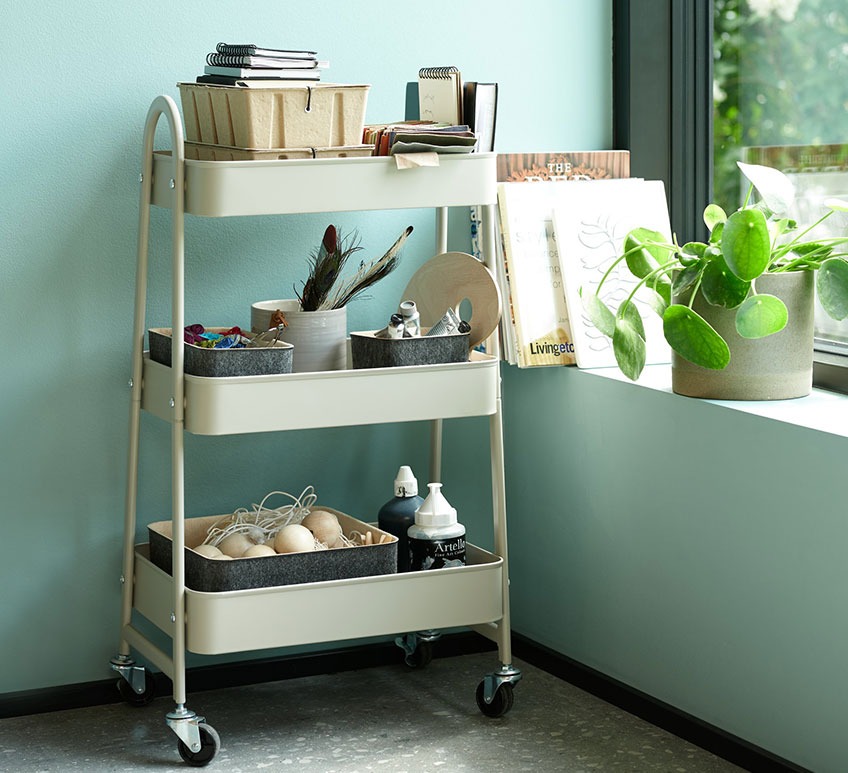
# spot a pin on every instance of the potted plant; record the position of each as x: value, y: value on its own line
x: 732, y: 306
x: 315, y: 322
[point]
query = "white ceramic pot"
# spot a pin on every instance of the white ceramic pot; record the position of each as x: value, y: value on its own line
x: 318, y: 337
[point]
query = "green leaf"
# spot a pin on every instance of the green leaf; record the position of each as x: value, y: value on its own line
x: 628, y: 344
x: 721, y: 287
x: 815, y: 251
x: 832, y: 286
x: 745, y: 243
x: 684, y: 279
x: 655, y: 300
x: 601, y: 317
x: 692, y: 337
x: 715, y: 234
x: 631, y: 315
x: 691, y: 253
x: 713, y: 215
x: 775, y: 188
x: 662, y: 287
x: 761, y: 316
x: 840, y: 205
x: 782, y: 226
x: 645, y: 251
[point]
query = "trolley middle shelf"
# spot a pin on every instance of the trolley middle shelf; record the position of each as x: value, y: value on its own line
x: 241, y: 404
x: 280, y: 616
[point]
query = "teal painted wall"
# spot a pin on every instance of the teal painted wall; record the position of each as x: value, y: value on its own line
x: 724, y: 601
x: 691, y: 551
x: 70, y: 154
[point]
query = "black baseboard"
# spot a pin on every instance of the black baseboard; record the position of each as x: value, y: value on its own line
x: 200, y: 678
x: 708, y: 737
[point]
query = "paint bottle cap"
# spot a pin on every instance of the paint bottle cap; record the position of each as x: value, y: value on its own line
x: 406, y: 484
x: 435, y: 510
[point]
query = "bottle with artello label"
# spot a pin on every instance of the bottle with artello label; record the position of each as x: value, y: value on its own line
x: 436, y: 540
x: 398, y: 514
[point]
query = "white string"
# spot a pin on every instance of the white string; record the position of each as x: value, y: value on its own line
x: 262, y: 523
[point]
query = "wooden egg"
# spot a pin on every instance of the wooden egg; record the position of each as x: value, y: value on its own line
x: 294, y: 538
x: 325, y: 526
x: 259, y: 550
x: 209, y: 551
x: 235, y: 544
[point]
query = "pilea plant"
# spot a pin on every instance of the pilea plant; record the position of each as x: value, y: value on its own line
x: 757, y: 239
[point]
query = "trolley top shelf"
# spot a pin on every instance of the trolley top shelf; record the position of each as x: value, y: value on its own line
x: 295, y: 186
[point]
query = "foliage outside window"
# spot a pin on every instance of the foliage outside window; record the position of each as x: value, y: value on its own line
x: 780, y: 98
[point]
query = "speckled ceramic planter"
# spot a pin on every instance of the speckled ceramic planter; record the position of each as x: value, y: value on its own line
x: 777, y: 367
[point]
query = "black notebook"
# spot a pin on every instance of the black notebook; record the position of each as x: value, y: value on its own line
x: 480, y: 110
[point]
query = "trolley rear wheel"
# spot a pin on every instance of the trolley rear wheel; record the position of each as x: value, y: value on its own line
x: 137, y: 698
x: 420, y: 656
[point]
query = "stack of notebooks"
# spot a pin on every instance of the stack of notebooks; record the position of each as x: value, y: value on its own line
x: 452, y: 117
x: 250, y: 66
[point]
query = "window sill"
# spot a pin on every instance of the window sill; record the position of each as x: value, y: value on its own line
x: 822, y: 410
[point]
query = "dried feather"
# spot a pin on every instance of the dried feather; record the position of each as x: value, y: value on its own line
x: 367, y: 275
x: 327, y: 263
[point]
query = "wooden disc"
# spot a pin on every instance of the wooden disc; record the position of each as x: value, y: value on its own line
x: 445, y: 281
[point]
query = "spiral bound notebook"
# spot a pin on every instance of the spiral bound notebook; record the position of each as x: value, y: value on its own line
x: 216, y: 59
x: 440, y: 94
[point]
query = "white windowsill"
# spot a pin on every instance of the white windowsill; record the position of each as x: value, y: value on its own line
x: 821, y: 410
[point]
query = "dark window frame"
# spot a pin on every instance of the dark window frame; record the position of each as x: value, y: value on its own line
x: 662, y: 101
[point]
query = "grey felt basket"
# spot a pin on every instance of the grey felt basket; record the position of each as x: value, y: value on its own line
x: 368, y: 351
x: 199, y: 361
x: 212, y: 575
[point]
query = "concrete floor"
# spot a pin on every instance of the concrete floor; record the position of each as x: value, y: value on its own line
x: 388, y: 719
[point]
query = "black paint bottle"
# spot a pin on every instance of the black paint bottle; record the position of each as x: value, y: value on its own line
x: 398, y: 514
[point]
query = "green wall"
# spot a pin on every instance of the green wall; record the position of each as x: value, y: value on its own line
x: 723, y: 599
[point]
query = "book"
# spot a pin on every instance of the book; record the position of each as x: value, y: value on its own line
x: 313, y: 73
x: 479, y: 111
x: 229, y: 60
x: 252, y: 83
x: 591, y: 221
x: 562, y: 166
x: 532, y: 284
x: 440, y: 94
x: 249, y: 49
x: 508, y: 343
x: 539, y: 313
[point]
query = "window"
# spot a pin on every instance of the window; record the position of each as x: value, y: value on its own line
x: 780, y: 96
x: 701, y: 84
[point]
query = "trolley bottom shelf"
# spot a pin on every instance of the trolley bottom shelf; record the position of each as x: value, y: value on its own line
x: 264, y: 618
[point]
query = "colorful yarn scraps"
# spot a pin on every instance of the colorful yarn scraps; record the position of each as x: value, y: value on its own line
x: 197, y: 335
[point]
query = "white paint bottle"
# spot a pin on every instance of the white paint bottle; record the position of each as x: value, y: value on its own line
x: 436, y: 540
